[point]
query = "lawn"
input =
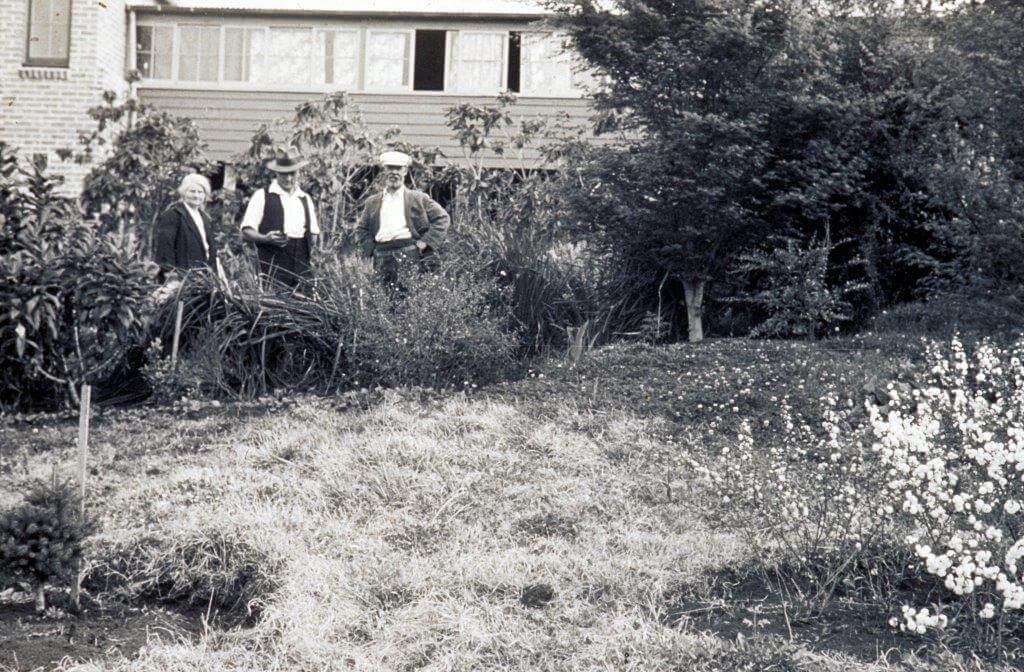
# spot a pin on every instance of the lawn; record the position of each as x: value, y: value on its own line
x: 554, y: 522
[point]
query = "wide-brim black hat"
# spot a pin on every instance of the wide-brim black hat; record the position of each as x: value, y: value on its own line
x: 286, y: 161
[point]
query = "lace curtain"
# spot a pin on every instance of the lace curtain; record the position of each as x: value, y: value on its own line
x: 476, y: 61
x: 338, y: 59
x: 387, y: 60
x: 546, y: 68
x: 281, y: 56
x: 198, y: 53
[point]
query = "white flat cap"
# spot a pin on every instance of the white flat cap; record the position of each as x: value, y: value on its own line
x: 395, y: 159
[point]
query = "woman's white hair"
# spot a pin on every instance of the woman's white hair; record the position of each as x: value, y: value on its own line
x: 191, y: 180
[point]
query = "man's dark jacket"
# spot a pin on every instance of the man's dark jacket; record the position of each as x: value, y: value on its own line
x: 427, y: 220
x: 177, y: 244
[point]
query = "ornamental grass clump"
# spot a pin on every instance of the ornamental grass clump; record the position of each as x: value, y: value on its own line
x: 953, y: 454
x: 41, y: 539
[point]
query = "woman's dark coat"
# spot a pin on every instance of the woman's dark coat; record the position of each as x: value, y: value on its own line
x: 177, y: 244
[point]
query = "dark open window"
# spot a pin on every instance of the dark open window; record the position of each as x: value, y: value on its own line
x: 515, y: 44
x: 428, y: 66
x: 48, y: 38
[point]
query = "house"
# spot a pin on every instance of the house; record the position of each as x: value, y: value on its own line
x: 232, y: 65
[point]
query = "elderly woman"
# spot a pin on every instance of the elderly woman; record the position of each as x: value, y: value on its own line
x: 183, y: 237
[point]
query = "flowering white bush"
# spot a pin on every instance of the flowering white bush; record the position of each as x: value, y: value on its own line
x: 806, y: 494
x: 953, y: 454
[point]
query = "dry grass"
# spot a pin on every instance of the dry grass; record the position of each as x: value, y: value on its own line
x: 443, y: 533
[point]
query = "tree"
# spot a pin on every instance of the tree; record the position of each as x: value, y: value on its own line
x: 42, y: 539
x: 138, y: 177
x: 694, y: 79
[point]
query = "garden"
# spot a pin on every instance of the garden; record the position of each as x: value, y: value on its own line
x: 732, y: 380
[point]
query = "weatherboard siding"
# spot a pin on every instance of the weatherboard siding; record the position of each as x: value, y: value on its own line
x: 227, y: 120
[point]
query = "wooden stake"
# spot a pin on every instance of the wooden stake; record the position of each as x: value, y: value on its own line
x: 177, y: 334
x: 85, y: 400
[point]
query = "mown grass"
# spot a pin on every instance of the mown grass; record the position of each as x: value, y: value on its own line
x: 541, y: 524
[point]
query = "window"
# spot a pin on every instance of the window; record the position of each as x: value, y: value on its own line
x: 547, y: 68
x: 153, y: 45
x: 339, y: 58
x: 282, y: 56
x: 515, y: 60
x: 477, y: 61
x: 387, y: 60
x: 238, y: 53
x: 428, y: 68
x: 49, y: 33
x: 198, y: 53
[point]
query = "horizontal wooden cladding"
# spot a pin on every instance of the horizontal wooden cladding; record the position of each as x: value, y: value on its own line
x: 227, y: 120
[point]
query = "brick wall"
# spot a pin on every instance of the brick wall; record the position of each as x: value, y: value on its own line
x: 43, y: 109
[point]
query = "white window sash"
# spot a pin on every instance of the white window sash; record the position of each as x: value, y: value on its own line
x: 155, y: 55
x: 320, y: 57
x: 551, y: 64
x: 462, y: 73
x: 407, y: 65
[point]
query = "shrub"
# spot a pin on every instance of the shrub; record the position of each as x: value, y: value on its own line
x: 74, y: 297
x: 952, y: 451
x: 137, y: 178
x: 42, y: 539
x: 807, y: 498
x: 795, y: 290
x: 344, y: 330
x: 508, y: 224
x: 75, y: 308
x: 439, y: 331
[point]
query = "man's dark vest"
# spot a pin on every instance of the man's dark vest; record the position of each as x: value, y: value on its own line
x: 273, y: 220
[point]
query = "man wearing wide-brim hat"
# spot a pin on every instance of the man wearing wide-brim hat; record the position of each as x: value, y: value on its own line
x: 281, y: 221
x: 400, y: 226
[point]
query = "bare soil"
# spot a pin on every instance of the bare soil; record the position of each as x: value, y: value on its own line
x: 102, y: 631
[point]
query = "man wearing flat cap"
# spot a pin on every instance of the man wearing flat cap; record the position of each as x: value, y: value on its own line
x: 281, y: 222
x: 399, y: 226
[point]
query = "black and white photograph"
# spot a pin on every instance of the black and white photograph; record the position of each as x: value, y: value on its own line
x: 512, y: 335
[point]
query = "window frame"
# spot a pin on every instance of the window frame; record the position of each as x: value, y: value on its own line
x: 502, y: 61
x: 364, y: 33
x: 320, y: 34
x: 572, y: 91
x: 410, y: 37
x: 176, y: 70
x: 31, y: 62
x: 172, y: 61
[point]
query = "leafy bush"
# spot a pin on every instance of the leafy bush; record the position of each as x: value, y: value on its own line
x: 508, y: 224
x: 139, y: 174
x: 795, y: 290
x: 74, y: 297
x: 439, y: 331
x: 75, y: 307
x: 42, y: 539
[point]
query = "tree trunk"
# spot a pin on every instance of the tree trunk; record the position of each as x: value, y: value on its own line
x: 693, y: 290
x: 40, y: 597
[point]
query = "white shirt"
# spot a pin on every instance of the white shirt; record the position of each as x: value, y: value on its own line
x: 392, y: 217
x: 198, y: 219
x: 294, y: 214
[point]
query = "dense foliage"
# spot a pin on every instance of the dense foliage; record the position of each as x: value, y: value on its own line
x: 75, y: 297
x: 886, y: 123
x: 136, y: 177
